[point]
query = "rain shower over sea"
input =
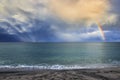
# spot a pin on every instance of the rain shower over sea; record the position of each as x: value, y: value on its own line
x: 59, y: 55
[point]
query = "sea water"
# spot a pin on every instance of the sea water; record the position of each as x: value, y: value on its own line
x: 59, y: 55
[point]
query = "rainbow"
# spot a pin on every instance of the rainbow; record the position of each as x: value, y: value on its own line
x: 101, y: 31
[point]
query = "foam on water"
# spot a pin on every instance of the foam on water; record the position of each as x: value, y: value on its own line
x: 53, y: 67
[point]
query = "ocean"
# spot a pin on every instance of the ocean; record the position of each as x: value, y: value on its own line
x: 59, y: 55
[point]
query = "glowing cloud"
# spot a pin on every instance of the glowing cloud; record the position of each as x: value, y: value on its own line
x: 81, y: 10
x: 86, y: 11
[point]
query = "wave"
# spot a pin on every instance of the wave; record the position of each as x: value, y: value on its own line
x: 53, y: 67
x: 25, y: 67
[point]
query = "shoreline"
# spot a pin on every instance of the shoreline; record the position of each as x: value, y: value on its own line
x: 112, y: 73
x: 56, y: 67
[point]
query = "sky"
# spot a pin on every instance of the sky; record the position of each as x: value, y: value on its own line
x: 59, y: 21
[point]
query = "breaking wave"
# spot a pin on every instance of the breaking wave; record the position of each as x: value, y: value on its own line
x: 54, y: 67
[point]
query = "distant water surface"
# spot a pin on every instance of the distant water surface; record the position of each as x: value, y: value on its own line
x: 59, y: 55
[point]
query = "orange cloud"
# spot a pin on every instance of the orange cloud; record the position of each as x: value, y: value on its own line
x: 88, y: 11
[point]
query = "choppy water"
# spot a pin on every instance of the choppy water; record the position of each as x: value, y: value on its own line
x: 59, y: 55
